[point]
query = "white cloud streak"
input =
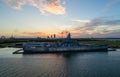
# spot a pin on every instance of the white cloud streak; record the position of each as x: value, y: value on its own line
x: 44, y: 6
x: 82, y: 21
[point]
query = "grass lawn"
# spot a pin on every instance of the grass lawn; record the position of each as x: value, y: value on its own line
x: 7, y: 45
x: 113, y: 44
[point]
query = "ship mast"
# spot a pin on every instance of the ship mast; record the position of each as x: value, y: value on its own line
x: 69, y: 36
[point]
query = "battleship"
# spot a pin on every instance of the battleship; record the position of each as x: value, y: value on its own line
x: 66, y: 45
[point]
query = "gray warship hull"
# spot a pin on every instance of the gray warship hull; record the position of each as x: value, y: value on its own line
x: 66, y: 49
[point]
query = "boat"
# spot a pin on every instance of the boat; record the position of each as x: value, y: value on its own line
x: 66, y: 45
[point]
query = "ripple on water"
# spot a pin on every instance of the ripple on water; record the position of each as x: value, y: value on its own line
x: 61, y: 65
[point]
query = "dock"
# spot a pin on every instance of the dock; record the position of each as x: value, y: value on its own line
x: 18, y: 51
x: 111, y: 49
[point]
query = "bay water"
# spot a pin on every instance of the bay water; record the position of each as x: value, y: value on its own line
x: 83, y: 64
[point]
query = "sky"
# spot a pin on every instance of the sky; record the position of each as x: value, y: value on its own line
x: 42, y: 18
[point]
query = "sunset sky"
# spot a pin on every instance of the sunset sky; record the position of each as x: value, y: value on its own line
x: 40, y: 18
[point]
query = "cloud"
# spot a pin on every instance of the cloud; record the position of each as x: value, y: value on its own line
x: 99, y: 22
x: 42, y: 34
x: 96, y: 23
x: 34, y: 34
x: 97, y: 27
x: 16, y: 4
x: 44, y: 6
x: 82, y: 21
x: 54, y: 7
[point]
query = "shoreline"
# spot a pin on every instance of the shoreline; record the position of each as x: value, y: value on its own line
x: 112, y: 44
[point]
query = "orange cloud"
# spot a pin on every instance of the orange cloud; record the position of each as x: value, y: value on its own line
x: 54, y: 8
x: 34, y: 34
x: 44, y: 6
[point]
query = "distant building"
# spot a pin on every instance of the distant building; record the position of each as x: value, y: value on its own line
x: 69, y: 36
x: 48, y: 37
x: 38, y: 37
x: 54, y: 36
x: 12, y: 37
x: 3, y: 37
x: 51, y: 36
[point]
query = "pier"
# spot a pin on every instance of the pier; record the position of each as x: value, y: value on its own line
x: 18, y: 51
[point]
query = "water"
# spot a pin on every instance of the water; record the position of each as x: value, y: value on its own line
x: 88, y: 64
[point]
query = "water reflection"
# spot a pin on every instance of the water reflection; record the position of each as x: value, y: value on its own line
x: 65, y: 55
x: 64, y: 64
